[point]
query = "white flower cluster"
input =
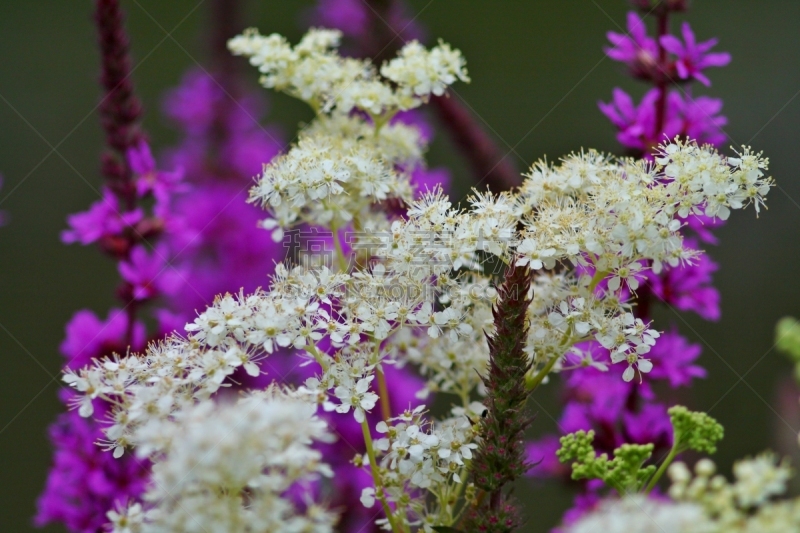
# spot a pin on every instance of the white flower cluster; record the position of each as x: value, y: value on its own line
x: 591, y: 210
x: 637, y: 514
x: 343, y: 164
x: 227, y: 468
x: 747, y: 505
x: 314, y: 72
x: 337, y: 171
x: 415, y: 453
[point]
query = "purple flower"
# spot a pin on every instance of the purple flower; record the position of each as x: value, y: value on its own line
x: 650, y: 424
x: 150, y: 180
x: 636, y: 49
x: 542, y: 455
x: 693, y: 57
x: 350, y: 16
x: 355, y: 18
x: 689, y: 287
x: 192, y: 105
x: 85, y: 481
x: 103, y: 219
x: 702, y: 225
x: 88, y: 337
x: 637, y: 124
x: 149, y: 274
x: 701, y: 120
x: 673, y: 360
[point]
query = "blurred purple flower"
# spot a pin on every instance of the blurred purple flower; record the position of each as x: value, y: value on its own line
x: 702, y: 225
x: 542, y: 455
x: 650, y: 424
x: 636, y: 49
x: 149, y: 274
x: 673, y: 360
x: 689, y: 287
x: 702, y: 121
x: 85, y: 481
x: 87, y: 336
x: 350, y: 16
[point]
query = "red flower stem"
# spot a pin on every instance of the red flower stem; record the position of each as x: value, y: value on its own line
x: 661, y: 82
x: 489, y: 164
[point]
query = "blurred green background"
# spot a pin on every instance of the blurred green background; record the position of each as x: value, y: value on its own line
x: 538, y: 70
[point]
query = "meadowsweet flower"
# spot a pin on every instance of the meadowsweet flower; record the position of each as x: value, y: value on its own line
x: 637, y: 514
x: 228, y: 468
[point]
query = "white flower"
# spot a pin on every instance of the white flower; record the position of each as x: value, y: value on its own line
x: 368, y: 497
x: 358, y: 396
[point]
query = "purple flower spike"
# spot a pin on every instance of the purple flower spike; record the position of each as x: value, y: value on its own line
x: 350, y: 16
x: 693, y: 57
x: 702, y: 120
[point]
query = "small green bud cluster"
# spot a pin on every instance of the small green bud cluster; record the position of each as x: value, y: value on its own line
x: 625, y: 472
x: 694, y: 430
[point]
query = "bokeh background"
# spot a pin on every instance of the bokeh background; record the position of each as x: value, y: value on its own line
x: 538, y: 70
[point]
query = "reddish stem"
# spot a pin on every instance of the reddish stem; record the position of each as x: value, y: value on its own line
x: 661, y: 80
x: 488, y: 162
x: 120, y: 109
x: 120, y: 114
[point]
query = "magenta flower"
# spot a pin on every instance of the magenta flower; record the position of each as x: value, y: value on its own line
x: 350, y: 16
x: 150, y: 180
x: 542, y: 454
x: 87, y: 336
x: 637, y: 49
x: 673, y: 360
x: 693, y: 57
x: 149, y: 274
x: 637, y: 124
x: 650, y: 424
x: 702, y: 225
x: 103, y: 219
x: 689, y: 287
x: 702, y: 121
x: 85, y: 481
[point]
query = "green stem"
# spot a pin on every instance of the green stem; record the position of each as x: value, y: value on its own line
x: 536, y: 380
x: 383, y: 391
x: 599, y: 275
x: 339, y: 252
x: 318, y: 357
x: 663, y: 468
x: 376, y: 475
